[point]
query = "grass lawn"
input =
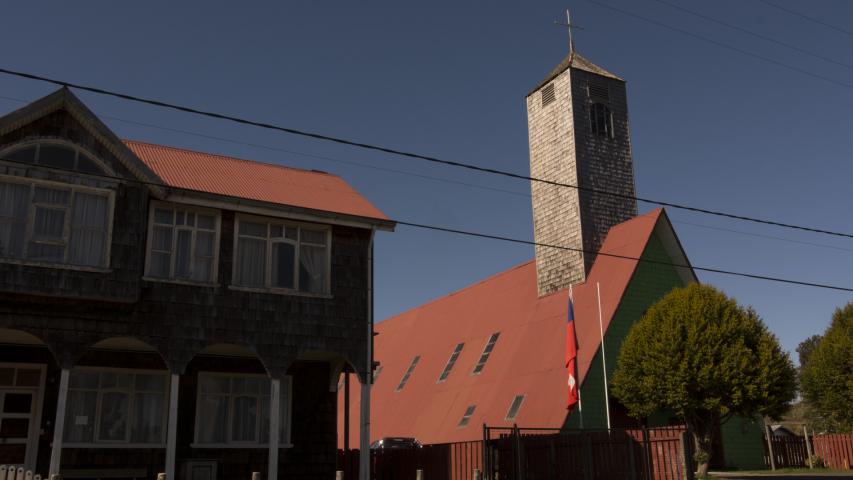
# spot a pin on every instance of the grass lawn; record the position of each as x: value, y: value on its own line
x: 782, y: 471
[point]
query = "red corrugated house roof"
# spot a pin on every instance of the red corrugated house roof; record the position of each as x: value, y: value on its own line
x: 528, y: 357
x: 251, y: 180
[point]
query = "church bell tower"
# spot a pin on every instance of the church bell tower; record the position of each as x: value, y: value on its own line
x: 577, y: 120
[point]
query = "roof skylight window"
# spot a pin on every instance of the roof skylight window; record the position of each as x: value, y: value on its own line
x: 466, y: 418
x: 486, y: 352
x: 409, y: 372
x: 447, y: 368
x: 514, y: 407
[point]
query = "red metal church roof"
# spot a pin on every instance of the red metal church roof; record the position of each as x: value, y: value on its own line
x: 527, y: 359
x: 251, y: 180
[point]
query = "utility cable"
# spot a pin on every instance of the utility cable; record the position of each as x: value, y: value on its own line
x: 484, y: 235
x: 804, y: 16
x: 418, y: 156
x: 682, y: 31
x: 754, y: 34
x: 430, y: 177
x: 298, y: 153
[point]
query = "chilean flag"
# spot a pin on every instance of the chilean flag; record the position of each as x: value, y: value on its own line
x: 571, y: 356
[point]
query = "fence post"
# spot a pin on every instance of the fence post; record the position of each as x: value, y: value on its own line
x: 647, y: 453
x: 516, y: 447
x: 487, y: 458
x: 769, y: 445
x: 632, y: 467
x: 588, y: 473
x: 808, y: 446
x: 686, y: 455
x: 552, y: 457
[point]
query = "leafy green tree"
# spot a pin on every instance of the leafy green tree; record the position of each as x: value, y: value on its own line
x: 700, y: 355
x: 806, y: 347
x: 827, y: 377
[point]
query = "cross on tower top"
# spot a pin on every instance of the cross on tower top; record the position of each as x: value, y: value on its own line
x: 570, y: 26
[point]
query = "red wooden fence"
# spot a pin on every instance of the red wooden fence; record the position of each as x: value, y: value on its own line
x: 835, y: 450
x: 636, y: 454
x: 443, y: 461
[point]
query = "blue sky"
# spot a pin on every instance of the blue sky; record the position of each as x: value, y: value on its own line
x: 710, y: 127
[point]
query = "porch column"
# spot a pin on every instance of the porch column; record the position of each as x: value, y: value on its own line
x: 364, y: 438
x: 59, y: 422
x: 275, y: 428
x: 172, y: 427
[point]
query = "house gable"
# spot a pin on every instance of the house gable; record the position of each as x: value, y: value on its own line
x: 61, y: 116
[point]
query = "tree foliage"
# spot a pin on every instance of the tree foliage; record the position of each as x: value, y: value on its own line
x: 700, y: 355
x: 806, y: 347
x: 827, y: 377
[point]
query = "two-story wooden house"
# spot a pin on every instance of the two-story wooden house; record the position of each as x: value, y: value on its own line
x: 168, y: 310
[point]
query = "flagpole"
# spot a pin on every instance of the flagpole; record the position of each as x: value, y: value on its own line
x: 580, y: 405
x: 603, y: 356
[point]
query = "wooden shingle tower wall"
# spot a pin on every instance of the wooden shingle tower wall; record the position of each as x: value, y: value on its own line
x: 578, y: 135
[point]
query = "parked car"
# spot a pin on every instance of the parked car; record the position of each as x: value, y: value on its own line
x: 395, y: 442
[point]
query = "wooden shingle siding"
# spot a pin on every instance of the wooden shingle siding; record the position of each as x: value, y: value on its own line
x: 71, y: 309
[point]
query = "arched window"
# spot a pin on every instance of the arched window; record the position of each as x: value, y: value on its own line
x: 55, y: 155
x: 53, y: 221
x: 600, y: 120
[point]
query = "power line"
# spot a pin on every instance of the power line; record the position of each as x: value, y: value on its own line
x: 725, y: 45
x: 624, y: 257
x: 429, y: 177
x: 489, y: 236
x: 804, y: 16
x: 303, y: 154
x: 761, y: 235
x: 417, y: 156
x: 754, y: 34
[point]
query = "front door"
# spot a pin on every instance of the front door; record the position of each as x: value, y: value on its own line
x: 21, y: 387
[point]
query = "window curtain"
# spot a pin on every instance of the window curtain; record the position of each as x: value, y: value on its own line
x: 183, y: 253
x: 14, y: 201
x: 312, y: 271
x: 113, y: 416
x: 203, y: 265
x: 251, y: 262
x: 213, y: 419
x: 244, y: 419
x: 87, y: 245
x: 148, y: 418
x: 80, y: 416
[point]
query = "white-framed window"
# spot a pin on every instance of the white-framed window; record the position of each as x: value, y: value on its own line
x: 116, y: 406
x: 183, y: 243
x: 55, y: 223
x: 54, y: 153
x: 19, y: 402
x: 280, y: 255
x: 233, y: 410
